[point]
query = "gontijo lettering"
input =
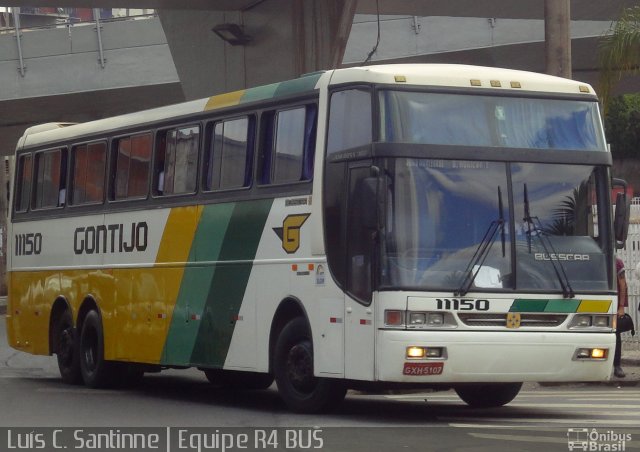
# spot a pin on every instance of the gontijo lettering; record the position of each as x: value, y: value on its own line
x: 112, y: 238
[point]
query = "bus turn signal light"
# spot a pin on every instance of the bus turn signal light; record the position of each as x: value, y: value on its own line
x: 415, y: 352
x: 394, y: 318
x: 589, y: 354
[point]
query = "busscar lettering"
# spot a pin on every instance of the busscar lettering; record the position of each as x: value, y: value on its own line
x: 561, y: 257
x: 112, y: 238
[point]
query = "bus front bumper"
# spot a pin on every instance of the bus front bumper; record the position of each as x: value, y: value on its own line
x: 483, y: 356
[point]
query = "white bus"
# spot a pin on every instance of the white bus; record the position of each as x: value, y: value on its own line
x: 435, y: 226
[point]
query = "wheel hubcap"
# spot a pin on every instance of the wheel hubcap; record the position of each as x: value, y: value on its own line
x: 89, y: 348
x: 300, y: 367
x: 65, y: 348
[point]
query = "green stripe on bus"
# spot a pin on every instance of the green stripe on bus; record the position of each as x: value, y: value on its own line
x: 299, y: 85
x: 563, y: 306
x: 229, y: 282
x: 526, y: 305
x: 196, y: 282
x: 303, y: 84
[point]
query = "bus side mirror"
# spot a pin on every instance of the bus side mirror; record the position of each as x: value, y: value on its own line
x: 621, y: 217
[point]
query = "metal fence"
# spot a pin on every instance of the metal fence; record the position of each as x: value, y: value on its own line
x: 31, y: 18
x: 27, y: 19
x: 631, y: 257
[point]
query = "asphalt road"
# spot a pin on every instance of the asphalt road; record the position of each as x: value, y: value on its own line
x: 540, y: 418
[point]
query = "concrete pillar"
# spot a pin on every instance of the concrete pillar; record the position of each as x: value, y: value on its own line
x: 289, y: 38
x: 557, y: 24
x: 5, y: 168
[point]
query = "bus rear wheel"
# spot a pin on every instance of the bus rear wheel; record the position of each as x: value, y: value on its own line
x: 293, y: 367
x: 66, y: 349
x: 488, y: 395
x: 96, y: 371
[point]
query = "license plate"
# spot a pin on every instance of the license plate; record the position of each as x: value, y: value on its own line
x: 422, y: 369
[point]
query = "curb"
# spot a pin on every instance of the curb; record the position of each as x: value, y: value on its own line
x: 618, y: 382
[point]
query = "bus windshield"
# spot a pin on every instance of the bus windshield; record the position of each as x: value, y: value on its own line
x: 442, y: 212
x: 489, y: 121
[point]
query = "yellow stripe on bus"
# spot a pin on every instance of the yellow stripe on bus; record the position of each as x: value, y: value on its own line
x: 224, y: 100
x: 153, y: 292
x: 594, y: 306
x: 149, y: 318
x: 178, y: 234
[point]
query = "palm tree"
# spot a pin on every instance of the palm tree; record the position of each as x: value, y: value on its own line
x: 619, y: 52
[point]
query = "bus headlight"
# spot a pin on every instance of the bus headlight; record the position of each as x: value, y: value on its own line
x: 601, y: 321
x: 583, y: 320
x: 418, y: 320
x: 592, y: 321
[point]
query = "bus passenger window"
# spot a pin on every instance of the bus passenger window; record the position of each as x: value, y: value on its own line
x: 50, y: 178
x: 288, y: 145
x: 132, y: 157
x: 23, y: 186
x: 89, y: 162
x: 349, y: 120
x: 229, y: 155
x: 176, y: 161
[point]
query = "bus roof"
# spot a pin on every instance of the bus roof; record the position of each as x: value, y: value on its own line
x: 49, y: 133
x: 461, y: 76
x: 445, y: 75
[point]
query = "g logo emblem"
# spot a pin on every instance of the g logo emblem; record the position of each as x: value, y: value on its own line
x: 289, y: 233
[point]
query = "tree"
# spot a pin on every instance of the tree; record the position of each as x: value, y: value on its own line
x: 622, y: 125
x: 619, y: 52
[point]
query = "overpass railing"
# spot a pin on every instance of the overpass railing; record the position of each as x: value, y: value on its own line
x: 11, y: 21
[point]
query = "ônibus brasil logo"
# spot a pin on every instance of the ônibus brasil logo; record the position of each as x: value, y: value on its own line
x: 594, y: 440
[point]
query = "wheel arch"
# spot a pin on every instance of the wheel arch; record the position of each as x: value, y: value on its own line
x: 288, y: 309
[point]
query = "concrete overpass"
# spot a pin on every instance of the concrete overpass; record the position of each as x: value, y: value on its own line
x: 288, y: 38
x: 521, y: 9
x: 66, y: 80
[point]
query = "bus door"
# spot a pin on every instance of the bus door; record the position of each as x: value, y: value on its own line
x: 359, y: 307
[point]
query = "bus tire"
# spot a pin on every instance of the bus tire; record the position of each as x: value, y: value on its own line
x: 67, y: 350
x: 96, y: 371
x: 301, y: 391
x: 488, y: 395
x: 254, y: 381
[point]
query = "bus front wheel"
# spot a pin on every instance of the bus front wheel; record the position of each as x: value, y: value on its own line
x: 96, y: 371
x: 66, y: 349
x: 488, y: 395
x: 293, y: 367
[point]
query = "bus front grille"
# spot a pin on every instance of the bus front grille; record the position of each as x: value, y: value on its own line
x: 500, y: 320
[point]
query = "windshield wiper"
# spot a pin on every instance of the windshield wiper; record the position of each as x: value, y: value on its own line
x: 482, y: 251
x: 565, y: 284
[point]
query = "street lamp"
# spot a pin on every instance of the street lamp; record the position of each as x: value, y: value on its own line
x: 232, y: 33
